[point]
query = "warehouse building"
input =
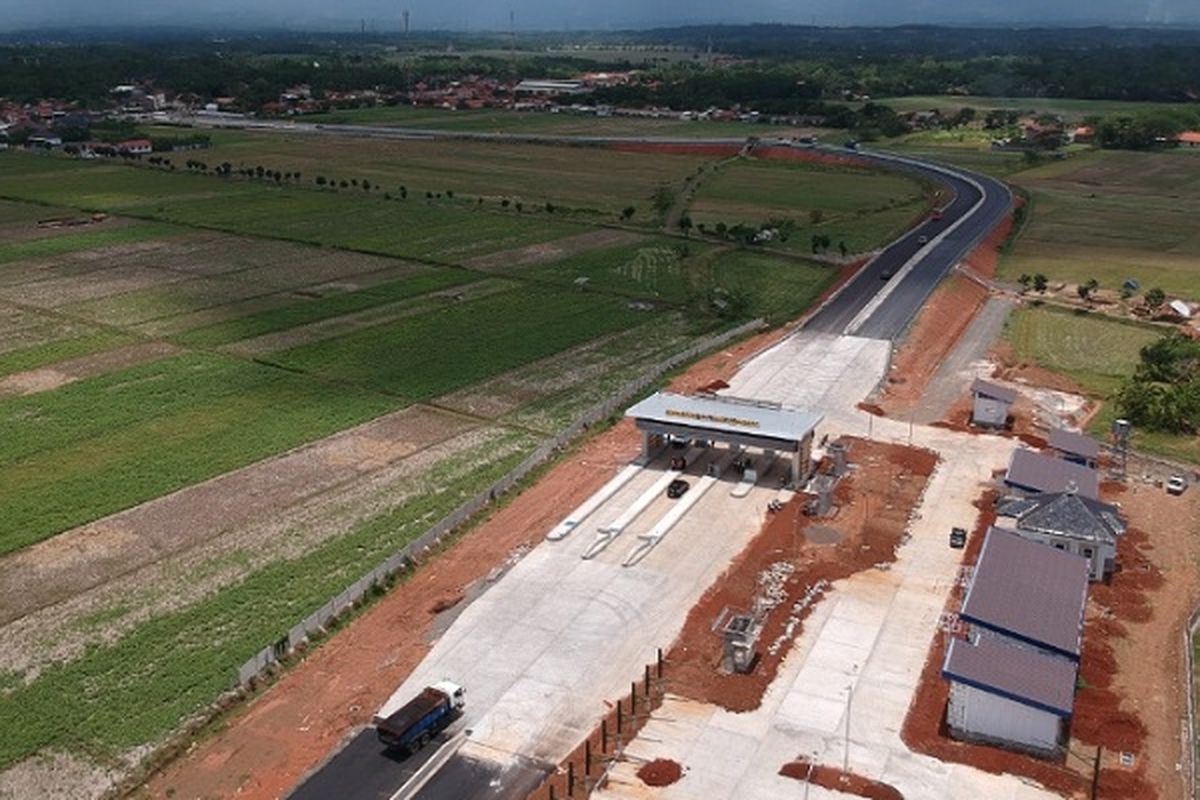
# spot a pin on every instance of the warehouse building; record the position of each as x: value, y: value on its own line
x: 1012, y: 678
x: 771, y: 427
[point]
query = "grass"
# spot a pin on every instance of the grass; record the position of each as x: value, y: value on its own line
x: 966, y: 149
x: 863, y: 208
x: 1069, y: 108
x: 40, y: 355
x: 657, y: 268
x: 315, y: 310
x: 1113, y: 215
x: 563, y: 124
x: 84, y: 239
x: 1094, y: 351
x: 774, y: 287
x: 416, y: 358
x: 1098, y: 353
x: 593, y: 181
x: 442, y: 231
x: 97, y: 446
x: 139, y: 688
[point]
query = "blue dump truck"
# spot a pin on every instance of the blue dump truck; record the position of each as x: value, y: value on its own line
x: 410, y: 727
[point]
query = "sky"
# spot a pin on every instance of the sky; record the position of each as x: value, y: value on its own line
x: 585, y: 14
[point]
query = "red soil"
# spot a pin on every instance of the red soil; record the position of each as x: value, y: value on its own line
x: 873, y: 506
x: 839, y: 781
x: 940, y: 325
x: 660, y: 772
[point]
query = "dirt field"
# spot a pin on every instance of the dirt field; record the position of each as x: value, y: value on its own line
x: 790, y: 563
x: 1133, y: 697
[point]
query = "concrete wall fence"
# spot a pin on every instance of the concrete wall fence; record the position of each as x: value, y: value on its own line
x: 320, y: 619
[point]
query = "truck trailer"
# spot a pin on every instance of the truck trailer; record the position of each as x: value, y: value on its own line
x: 411, y: 726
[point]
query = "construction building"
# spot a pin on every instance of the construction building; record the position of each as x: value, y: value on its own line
x: 771, y: 427
x: 1012, y: 677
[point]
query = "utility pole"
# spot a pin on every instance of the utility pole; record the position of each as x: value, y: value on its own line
x: 846, y: 749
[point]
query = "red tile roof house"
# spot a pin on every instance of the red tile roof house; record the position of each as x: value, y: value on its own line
x: 1188, y: 139
x: 135, y: 147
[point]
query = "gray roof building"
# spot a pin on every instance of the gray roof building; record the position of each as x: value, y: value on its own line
x: 1026, y: 676
x: 1070, y: 514
x: 1035, y: 472
x: 1028, y: 592
x: 995, y: 391
x: 1074, y: 445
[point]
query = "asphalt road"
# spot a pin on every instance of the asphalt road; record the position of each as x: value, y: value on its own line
x: 363, y: 770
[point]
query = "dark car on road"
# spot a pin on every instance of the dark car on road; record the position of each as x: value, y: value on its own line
x: 677, y: 489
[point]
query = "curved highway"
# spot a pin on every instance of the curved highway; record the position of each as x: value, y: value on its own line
x: 870, y: 305
x: 879, y: 302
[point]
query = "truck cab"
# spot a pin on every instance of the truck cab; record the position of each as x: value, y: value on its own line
x: 456, y: 693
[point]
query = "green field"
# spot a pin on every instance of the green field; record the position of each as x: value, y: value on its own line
x: 83, y: 239
x: 592, y: 182
x: 1113, y: 215
x: 863, y: 208
x: 98, y: 446
x: 39, y: 355
x: 563, y: 124
x: 416, y: 358
x: 1069, y: 108
x: 1098, y: 353
x: 304, y: 312
x: 136, y: 690
x: 443, y: 231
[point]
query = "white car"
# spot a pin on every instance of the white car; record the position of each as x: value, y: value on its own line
x: 1176, y: 484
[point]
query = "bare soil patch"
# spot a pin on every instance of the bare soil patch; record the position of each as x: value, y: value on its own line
x: 660, y: 772
x: 555, y: 250
x: 835, y: 779
x: 873, y: 503
x: 263, y: 751
x: 51, y: 377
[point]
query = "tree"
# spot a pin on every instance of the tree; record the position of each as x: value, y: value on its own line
x: 320, y: 180
x: 627, y: 213
x: 450, y: 194
x: 549, y: 207
x: 366, y: 185
x: 1025, y: 280
x: 842, y: 248
x: 403, y: 192
x: 520, y: 206
x: 1084, y: 290
x: 1040, y: 283
x: 685, y: 224
x: 1155, y: 298
x: 816, y: 216
x: 662, y: 199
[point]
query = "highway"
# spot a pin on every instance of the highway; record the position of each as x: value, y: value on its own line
x: 869, y: 306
